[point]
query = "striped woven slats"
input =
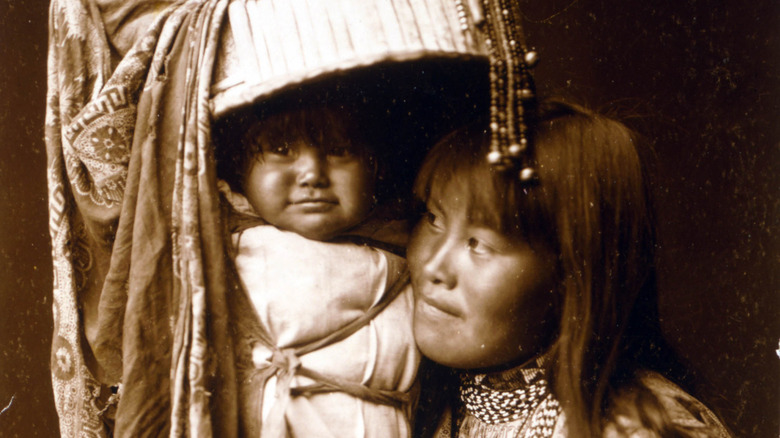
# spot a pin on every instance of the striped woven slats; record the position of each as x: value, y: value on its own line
x: 268, y: 45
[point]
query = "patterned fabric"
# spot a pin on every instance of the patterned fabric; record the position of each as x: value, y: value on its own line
x: 82, y: 139
x: 131, y: 191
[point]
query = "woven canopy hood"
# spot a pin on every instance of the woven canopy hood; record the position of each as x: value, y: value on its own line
x: 270, y: 45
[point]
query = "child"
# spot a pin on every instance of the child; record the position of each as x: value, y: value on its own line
x: 324, y: 333
x: 542, y: 295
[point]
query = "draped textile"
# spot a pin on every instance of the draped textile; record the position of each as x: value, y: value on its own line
x: 138, y: 252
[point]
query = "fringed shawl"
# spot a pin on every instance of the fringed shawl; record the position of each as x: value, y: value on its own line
x: 135, y: 224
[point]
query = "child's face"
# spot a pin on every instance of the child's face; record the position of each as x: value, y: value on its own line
x: 482, y: 299
x: 315, y: 190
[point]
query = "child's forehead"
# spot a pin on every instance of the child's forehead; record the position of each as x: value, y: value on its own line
x: 319, y: 126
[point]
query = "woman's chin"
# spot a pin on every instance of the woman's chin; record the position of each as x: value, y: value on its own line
x: 443, y: 347
x: 432, y: 342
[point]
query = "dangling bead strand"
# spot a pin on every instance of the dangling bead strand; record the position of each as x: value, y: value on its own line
x: 512, y: 97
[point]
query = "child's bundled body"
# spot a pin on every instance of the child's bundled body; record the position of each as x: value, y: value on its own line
x: 325, y: 340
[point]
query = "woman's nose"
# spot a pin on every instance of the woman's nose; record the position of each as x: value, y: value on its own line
x: 312, y: 168
x: 439, y: 268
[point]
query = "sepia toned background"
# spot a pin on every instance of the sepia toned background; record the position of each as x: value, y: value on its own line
x: 700, y: 78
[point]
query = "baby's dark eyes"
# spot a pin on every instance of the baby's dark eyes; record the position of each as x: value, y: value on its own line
x: 282, y: 149
x: 286, y: 150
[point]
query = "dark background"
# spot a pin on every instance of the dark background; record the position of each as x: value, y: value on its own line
x: 700, y: 78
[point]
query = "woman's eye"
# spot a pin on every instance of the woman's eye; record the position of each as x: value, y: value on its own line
x: 432, y: 220
x: 478, y: 247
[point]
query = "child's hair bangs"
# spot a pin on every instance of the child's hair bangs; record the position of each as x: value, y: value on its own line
x: 323, y: 127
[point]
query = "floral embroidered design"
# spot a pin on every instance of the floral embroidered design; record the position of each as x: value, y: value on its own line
x: 100, y: 139
x: 63, y: 361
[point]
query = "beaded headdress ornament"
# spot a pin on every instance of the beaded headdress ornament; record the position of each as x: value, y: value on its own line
x: 512, y: 91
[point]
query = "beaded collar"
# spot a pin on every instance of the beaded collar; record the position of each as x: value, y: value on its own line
x: 514, y: 395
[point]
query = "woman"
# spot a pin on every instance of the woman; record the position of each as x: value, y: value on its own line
x: 539, y: 295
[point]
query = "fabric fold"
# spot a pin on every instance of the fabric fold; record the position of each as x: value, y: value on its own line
x: 138, y: 163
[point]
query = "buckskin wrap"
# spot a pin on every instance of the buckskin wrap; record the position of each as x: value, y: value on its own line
x: 141, y: 274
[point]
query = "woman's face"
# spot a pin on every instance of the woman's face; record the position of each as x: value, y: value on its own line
x: 482, y: 299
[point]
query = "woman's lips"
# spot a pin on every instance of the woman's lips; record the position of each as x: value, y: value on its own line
x: 433, y: 306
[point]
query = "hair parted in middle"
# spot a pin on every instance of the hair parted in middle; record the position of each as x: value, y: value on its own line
x: 592, y: 206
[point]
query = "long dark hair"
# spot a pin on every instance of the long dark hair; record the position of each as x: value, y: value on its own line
x: 592, y: 206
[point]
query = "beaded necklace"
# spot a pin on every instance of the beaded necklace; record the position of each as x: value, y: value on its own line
x: 520, y: 395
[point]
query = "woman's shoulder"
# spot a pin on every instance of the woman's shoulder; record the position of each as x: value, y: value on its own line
x: 655, y: 407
